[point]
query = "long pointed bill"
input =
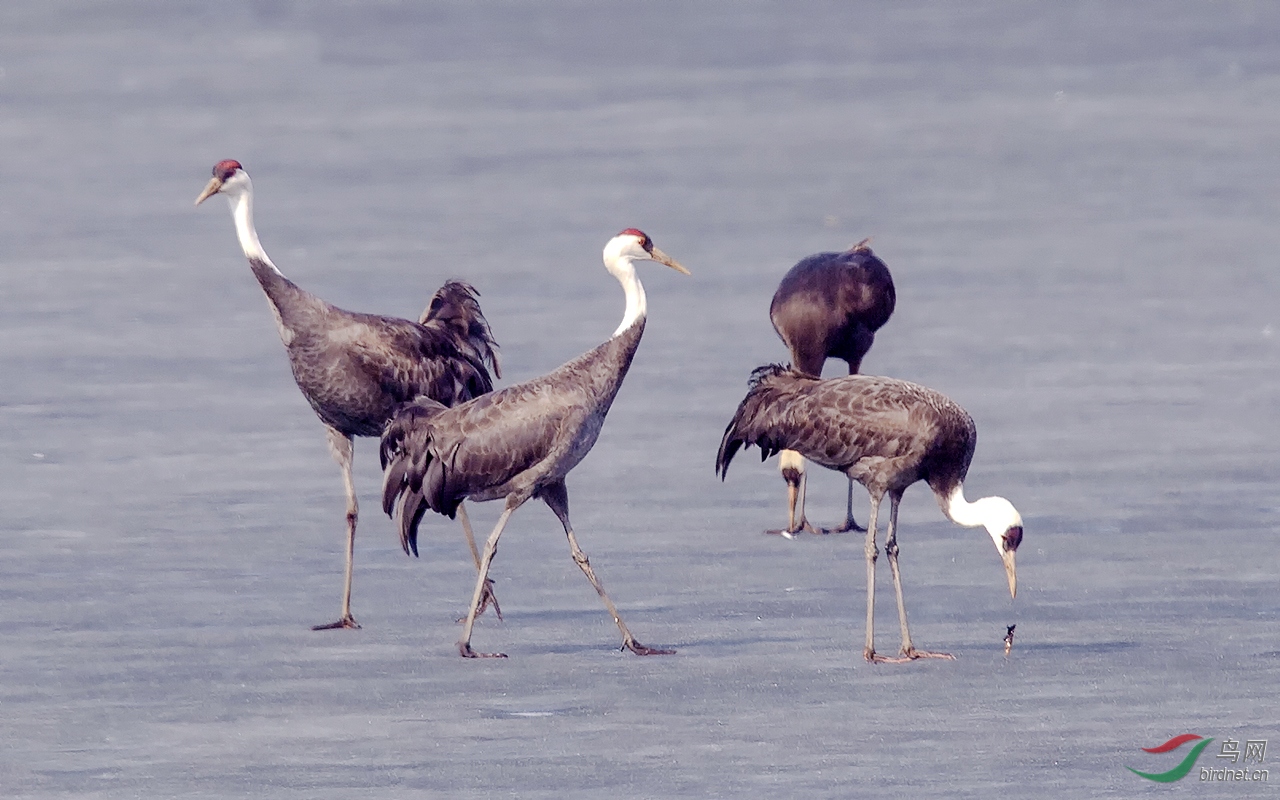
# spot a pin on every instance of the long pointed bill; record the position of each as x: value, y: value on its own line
x: 1012, y: 572
x: 663, y: 258
x: 211, y: 189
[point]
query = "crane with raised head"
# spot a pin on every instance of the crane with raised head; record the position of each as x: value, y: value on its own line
x: 356, y: 369
x: 519, y: 443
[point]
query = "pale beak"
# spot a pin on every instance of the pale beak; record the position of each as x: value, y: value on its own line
x: 1011, y: 571
x: 211, y: 189
x: 663, y: 258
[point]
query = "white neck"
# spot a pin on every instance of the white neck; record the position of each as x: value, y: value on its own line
x: 998, y: 516
x: 625, y: 271
x: 242, y: 213
x: 995, y: 514
x: 962, y: 512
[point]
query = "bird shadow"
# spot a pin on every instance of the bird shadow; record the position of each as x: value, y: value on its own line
x: 1077, y: 647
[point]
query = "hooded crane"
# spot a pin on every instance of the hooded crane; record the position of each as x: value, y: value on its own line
x: 829, y: 305
x: 356, y: 369
x: 520, y: 442
x: 885, y: 434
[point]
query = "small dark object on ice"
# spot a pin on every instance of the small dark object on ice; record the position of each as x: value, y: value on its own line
x: 1008, y: 639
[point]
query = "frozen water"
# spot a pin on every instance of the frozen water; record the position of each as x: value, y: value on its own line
x: 1078, y: 203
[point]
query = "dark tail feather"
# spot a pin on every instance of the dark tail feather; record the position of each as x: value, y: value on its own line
x: 745, y: 429
x: 392, y: 484
x: 405, y: 452
x: 411, y: 511
x: 455, y: 308
x: 729, y: 445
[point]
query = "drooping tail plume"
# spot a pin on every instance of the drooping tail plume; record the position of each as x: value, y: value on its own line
x: 405, y: 454
x: 753, y: 421
x: 455, y: 309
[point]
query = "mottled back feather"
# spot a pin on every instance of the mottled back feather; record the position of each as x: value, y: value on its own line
x: 882, y: 432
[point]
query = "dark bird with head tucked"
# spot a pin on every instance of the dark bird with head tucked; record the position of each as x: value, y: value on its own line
x: 356, y: 369
x: 518, y: 443
x: 829, y: 305
x: 885, y: 434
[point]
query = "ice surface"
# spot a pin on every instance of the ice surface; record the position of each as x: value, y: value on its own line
x: 1078, y: 203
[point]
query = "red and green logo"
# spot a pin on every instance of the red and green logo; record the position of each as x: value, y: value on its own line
x: 1179, y: 772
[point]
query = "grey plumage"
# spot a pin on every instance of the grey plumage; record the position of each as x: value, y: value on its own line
x: 511, y: 443
x: 888, y: 433
x: 829, y: 305
x: 520, y: 442
x: 885, y: 434
x: 356, y: 369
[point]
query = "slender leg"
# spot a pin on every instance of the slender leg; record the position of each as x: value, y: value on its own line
x: 791, y: 465
x: 490, y: 547
x: 489, y: 596
x: 342, y: 448
x: 557, y: 497
x: 863, y: 344
x: 869, y: 551
x: 849, y: 524
x: 798, y: 495
x: 891, y: 549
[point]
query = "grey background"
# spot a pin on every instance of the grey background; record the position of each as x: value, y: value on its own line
x: 1078, y: 202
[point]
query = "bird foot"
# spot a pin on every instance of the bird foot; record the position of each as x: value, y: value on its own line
x: 790, y: 533
x: 486, y: 599
x: 347, y: 621
x: 849, y: 526
x: 464, y: 650
x: 907, y: 655
x: 641, y: 650
x: 914, y: 654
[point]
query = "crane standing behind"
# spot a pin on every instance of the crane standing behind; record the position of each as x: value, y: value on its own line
x: 356, y: 369
x: 829, y: 305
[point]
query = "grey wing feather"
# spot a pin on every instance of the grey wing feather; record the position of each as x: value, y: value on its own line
x: 423, y: 361
x: 442, y: 456
x: 757, y: 420
x: 455, y: 310
x: 504, y: 435
x: 834, y: 422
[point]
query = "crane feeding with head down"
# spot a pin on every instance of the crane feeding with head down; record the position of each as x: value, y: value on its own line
x: 828, y: 305
x: 520, y: 442
x: 356, y: 369
x: 885, y: 434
